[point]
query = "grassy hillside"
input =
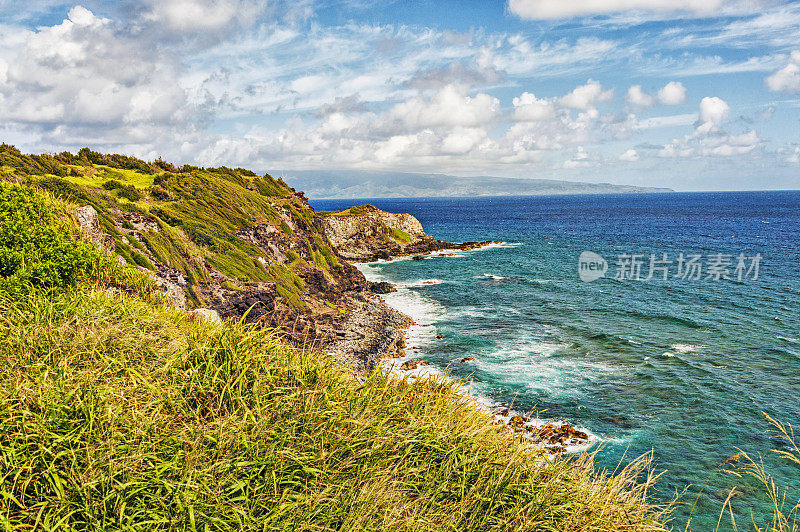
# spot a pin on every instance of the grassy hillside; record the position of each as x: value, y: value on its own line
x: 118, y: 413
x: 188, y: 221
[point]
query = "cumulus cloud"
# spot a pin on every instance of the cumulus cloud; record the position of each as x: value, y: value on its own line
x: 787, y: 79
x: 713, y: 111
x: 200, y: 15
x: 637, y: 97
x: 580, y: 159
x: 587, y: 96
x: 630, y: 156
x: 450, y: 106
x: 708, y: 138
x: 673, y: 93
x: 529, y: 108
x: 551, y: 9
x: 83, y: 77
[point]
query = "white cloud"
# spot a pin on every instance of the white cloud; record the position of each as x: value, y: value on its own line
x: 629, y: 156
x: 83, y: 77
x: 529, y: 108
x: 787, y: 79
x: 448, y: 107
x: 673, y: 93
x: 794, y: 155
x: 713, y: 111
x: 189, y: 16
x: 637, y: 97
x: 550, y: 9
x: 586, y: 96
x: 580, y: 159
x: 708, y: 138
x: 462, y: 140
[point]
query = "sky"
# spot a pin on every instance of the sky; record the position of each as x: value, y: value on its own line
x: 687, y: 94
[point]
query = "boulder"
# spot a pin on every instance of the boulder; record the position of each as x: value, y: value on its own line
x: 516, y: 422
x: 382, y: 287
x: 467, y: 359
x: 204, y: 315
x: 413, y: 364
x: 89, y: 223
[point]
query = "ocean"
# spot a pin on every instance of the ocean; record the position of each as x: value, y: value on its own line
x: 684, y: 367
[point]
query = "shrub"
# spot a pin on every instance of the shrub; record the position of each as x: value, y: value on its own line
x: 160, y: 193
x: 64, y: 189
x: 112, y: 184
x: 141, y: 260
x: 36, y: 246
x: 129, y: 192
x: 173, y: 221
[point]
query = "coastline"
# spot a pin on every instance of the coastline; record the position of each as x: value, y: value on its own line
x: 406, y: 360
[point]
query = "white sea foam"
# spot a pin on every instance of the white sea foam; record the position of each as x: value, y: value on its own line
x: 519, y: 361
x: 496, y: 245
x: 686, y: 348
x: 788, y: 339
x: 493, y: 276
x: 420, y: 282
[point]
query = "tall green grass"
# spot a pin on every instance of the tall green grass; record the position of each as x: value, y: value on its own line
x: 116, y: 414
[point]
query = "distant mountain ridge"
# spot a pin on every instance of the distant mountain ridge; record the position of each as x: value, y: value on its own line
x: 346, y: 184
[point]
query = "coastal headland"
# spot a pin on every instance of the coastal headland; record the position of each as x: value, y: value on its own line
x: 190, y: 346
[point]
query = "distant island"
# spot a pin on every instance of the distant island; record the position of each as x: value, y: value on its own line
x: 346, y: 184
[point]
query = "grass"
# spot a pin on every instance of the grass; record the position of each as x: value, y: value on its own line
x: 352, y: 211
x: 119, y: 413
x: 199, y: 211
x: 116, y: 414
x: 401, y: 236
x: 784, y: 513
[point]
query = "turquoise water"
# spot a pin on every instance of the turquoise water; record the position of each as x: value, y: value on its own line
x: 680, y: 367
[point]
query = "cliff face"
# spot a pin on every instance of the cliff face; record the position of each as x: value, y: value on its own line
x: 227, y: 239
x: 366, y: 233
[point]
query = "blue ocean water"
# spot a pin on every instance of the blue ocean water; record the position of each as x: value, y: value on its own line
x: 681, y: 367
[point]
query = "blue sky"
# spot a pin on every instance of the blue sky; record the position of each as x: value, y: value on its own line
x: 690, y: 94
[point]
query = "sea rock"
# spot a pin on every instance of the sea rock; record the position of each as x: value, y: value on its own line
x: 89, y: 223
x: 204, y: 315
x: 562, y: 435
x: 440, y: 336
x: 467, y: 359
x: 516, y: 422
x: 413, y: 364
x: 419, y: 257
x: 382, y: 287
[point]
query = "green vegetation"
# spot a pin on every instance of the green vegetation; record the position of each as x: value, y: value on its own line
x: 401, y: 236
x: 198, y: 211
x: 118, y: 414
x: 352, y: 211
x: 229, y: 286
x: 37, y: 246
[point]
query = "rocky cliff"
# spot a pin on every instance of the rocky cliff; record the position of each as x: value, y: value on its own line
x: 366, y: 233
x: 244, y: 245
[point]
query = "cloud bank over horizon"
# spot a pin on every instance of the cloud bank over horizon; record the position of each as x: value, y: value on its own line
x: 649, y: 93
